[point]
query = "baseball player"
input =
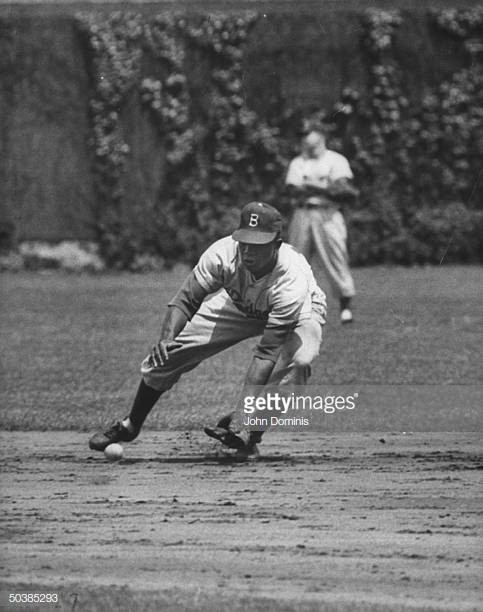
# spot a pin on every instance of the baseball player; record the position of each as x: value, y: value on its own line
x: 244, y: 285
x: 319, y: 180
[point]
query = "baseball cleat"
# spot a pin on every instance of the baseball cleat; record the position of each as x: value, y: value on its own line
x: 116, y: 433
x: 226, y: 437
x: 225, y: 421
x: 244, y: 442
x: 224, y: 434
x: 346, y: 316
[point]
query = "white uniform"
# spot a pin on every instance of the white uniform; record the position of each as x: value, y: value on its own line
x: 239, y: 306
x: 318, y: 222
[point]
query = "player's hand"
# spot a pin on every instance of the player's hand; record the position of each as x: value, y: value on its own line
x: 160, y: 351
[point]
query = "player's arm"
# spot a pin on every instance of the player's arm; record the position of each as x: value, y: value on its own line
x: 342, y: 190
x: 286, y: 303
x: 181, y: 309
x: 339, y: 190
x: 258, y: 372
x: 264, y: 359
x: 266, y: 354
x: 294, y: 191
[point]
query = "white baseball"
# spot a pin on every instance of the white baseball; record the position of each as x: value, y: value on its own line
x: 113, y: 452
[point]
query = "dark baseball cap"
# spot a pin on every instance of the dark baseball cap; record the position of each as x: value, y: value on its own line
x: 260, y: 223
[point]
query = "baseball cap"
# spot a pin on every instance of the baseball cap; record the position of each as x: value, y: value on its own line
x: 260, y: 223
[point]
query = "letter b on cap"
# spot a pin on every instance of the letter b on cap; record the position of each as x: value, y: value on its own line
x: 253, y: 220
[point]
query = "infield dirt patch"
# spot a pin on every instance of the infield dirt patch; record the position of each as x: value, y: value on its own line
x: 340, y: 523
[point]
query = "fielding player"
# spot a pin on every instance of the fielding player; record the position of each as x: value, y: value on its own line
x: 319, y: 181
x: 245, y: 285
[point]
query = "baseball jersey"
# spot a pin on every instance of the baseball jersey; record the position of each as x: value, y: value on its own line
x: 280, y: 298
x: 318, y: 172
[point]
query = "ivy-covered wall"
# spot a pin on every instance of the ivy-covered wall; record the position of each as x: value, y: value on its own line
x: 147, y: 133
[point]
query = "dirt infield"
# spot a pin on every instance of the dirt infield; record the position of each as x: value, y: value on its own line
x: 339, y: 523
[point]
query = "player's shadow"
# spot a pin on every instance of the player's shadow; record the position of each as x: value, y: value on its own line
x: 201, y: 459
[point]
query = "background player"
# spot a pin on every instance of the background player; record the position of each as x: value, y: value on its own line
x: 319, y: 181
x: 244, y: 285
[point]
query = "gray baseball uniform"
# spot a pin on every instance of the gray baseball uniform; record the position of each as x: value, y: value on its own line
x: 317, y: 221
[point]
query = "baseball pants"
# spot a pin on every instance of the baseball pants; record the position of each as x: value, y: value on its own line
x: 217, y: 325
x: 324, y: 228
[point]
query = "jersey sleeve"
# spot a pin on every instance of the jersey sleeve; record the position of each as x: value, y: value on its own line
x: 189, y: 296
x: 293, y: 174
x: 209, y: 269
x: 340, y: 168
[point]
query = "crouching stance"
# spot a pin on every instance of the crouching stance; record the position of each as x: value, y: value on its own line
x: 245, y: 285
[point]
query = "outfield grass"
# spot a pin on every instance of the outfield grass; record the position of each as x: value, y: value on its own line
x: 72, y: 345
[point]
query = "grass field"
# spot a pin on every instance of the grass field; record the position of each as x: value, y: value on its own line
x: 72, y: 345
x: 375, y: 521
